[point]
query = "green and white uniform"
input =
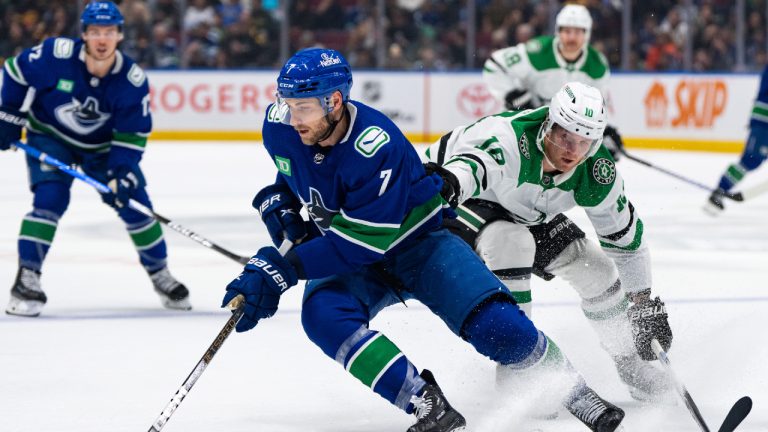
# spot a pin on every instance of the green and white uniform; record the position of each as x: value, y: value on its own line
x: 538, y: 67
x: 498, y: 162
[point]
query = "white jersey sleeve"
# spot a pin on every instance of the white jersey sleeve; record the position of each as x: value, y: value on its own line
x: 506, y: 70
x: 620, y: 231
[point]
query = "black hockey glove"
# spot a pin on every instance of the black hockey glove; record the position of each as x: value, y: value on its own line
x: 648, y: 318
x: 123, y: 180
x: 11, y: 122
x: 518, y: 100
x: 612, y: 141
x: 279, y: 210
x: 451, y: 189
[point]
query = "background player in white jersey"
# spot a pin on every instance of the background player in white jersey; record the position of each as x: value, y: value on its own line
x: 529, y: 74
x: 90, y: 107
x: 514, y: 174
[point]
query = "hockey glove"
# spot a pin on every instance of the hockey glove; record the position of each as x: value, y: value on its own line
x: 280, y: 212
x: 11, y: 122
x: 451, y: 190
x: 612, y: 141
x: 518, y: 100
x: 266, y: 276
x: 648, y: 318
x: 123, y: 180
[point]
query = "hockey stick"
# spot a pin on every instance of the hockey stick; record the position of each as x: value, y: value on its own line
x: 237, y: 305
x: 139, y: 207
x: 735, y: 416
x: 730, y: 195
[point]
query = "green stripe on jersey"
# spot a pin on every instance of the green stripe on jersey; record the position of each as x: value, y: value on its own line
x: 147, y: 236
x: 38, y: 229
x: 473, y: 165
x: 36, y: 125
x: 469, y: 218
x: 373, y: 359
x: 635, y: 241
x: 133, y: 141
x: 381, y: 237
x: 12, y: 67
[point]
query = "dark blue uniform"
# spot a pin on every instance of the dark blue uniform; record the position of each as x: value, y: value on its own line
x: 378, y: 239
x: 756, y: 148
x: 96, y: 123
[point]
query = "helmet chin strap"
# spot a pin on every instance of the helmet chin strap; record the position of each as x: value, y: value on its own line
x: 332, y: 123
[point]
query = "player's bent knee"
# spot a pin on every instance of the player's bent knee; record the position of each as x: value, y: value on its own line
x: 591, y: 271
x: 330, y: 317
x: 503, y: 244
x: 499, y: 330
x: 51, y: 196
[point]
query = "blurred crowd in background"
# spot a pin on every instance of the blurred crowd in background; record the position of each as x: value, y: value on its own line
x: 417, y: 34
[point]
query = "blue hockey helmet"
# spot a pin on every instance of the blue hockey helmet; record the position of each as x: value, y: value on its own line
x: 104, y: 13
x: 315, y: 72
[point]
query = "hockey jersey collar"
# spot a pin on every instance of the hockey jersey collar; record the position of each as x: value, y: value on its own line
x: 562, y: 62
x: 118, y: 59
x: 352, y: 116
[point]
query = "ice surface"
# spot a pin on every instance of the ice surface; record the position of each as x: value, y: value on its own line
x: 104, y: 356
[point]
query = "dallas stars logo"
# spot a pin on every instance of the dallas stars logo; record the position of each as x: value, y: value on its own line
x: 604, y: 171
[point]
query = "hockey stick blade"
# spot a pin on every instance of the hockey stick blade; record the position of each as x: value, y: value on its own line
x: 737, y: 414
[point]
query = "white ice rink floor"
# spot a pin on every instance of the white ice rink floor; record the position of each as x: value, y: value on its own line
x: 104, y: 356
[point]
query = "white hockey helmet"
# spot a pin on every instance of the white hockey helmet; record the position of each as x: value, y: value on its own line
x: 575, y: 15
x: 579, y: 109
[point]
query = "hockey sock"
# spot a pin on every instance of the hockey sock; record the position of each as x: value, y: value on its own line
x: 733, y: 175
x: 338, y: 323
x: 38, y: 227
x: 607, y: 314
x: 147, y: 237
x: 518, y: 282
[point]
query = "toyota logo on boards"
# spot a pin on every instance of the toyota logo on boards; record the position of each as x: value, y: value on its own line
x: 476, y: 101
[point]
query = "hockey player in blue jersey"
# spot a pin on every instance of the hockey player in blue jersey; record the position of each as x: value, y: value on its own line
x: 755, y: 150
x: 375, y: 239
x: 89, y: 107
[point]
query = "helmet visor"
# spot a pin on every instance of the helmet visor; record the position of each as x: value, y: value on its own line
x: 299, y: 111
x: 570, y: 143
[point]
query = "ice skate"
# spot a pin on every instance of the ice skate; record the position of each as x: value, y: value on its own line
x: 714, y: 205
x: 645, y: 382
x: 597, y: 414
x: 173, y: 294
x: 433, y: 411
x: 27, y: 298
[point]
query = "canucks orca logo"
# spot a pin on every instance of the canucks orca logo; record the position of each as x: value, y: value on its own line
x: 320, y: 214
x: 81, y: 118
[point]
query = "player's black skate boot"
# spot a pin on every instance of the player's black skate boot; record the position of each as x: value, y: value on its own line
x: 714, y: 205
x: 593, y: 411
x: 433, y: 411
x: 173, y: 294
x: 27, y: 298
x: 645, y: 382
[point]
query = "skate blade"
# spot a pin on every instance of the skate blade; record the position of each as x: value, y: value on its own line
x: 712, y: 210
x: 25, y: 308
x: 182, y: 304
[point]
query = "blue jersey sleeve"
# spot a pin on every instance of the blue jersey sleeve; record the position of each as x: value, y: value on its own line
x: 133, y: 120
x: 32, y: 68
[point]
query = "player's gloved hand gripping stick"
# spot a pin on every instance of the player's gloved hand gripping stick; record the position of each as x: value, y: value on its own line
x: 104, y: 189
x: 238, y: 306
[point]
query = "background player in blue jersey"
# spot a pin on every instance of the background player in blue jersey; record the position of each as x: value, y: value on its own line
x: 755, y: 151
x: 90, y: 107
x: 375, y: 239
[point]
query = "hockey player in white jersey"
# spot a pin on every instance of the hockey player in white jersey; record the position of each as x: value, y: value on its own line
x: 514, y: 174
x: 529, y: 74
